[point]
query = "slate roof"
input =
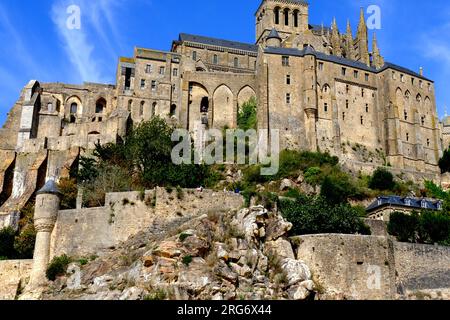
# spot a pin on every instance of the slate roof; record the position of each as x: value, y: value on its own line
x: 340, y: 60
x: 49, y: 188
x: 412, y: 203
x: 273, y: 34
x: 218, y: 42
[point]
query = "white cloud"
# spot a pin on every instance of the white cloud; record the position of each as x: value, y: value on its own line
x: 77, y: 44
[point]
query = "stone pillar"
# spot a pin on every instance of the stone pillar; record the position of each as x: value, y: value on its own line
x: 45, y: 215
x: 311, y: 128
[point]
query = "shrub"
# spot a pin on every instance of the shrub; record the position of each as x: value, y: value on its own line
x: 187, y: 260
x: 69, y: 193
x: 336, y: 189
x: 382, y: 180
x: 183, y: 236
x: 444, y: 162
x: 404, y: 226
x: 435, y: 227
x: 58, y: 267
x: 314, y: 215
x: 24, y: 243
x: 247, y: 116
x: 313, y: 176
x: 7, y: 236
x: 156, y: 296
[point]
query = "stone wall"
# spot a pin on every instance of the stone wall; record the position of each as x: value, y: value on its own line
x: 421, y: 267
x: 350, y: 267
x: 373, y: 267
x: 91, y: 230
x: 12, y: 274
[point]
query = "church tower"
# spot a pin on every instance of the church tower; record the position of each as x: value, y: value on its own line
x: 287, y: 17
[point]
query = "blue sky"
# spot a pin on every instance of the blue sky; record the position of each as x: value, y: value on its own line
x: 37, y: 45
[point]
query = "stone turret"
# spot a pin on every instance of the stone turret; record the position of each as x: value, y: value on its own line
x: 377, y: 59
x: 273, y: 39
x: 349, y: 42
x: 362, y: 41
x: 45, y: 215
x: 335, y: 39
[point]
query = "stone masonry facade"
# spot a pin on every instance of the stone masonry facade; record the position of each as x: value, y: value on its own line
x: 322, y: 89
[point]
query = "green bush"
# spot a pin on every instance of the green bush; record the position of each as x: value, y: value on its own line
x: 187, y: 260
x: 382, y: 180
x: 444, y: 162
x: 247, y: 116
x: 337, y: 188
x: 313, y: 176
x: 429, y: 227
x: 435, y: 227
x: 58, y: 267
x: 315, y: 215
x: 404, y: 227
x: 24, y: 243
x: 7, y: 236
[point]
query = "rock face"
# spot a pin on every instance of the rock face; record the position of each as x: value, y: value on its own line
x: 239, y: 255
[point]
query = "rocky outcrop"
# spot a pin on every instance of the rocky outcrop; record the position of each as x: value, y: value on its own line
x: 238, y: 255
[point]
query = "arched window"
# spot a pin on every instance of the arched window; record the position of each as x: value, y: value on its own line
x: 276, y: 13
x: 286, y: 17
x: 154, y: 105
x: 215, y: 59
x: 295, y: 16
x: 141, y: 109
x: 173, y: 110
x: 236, y: 62
x: 100, y: 106
x: 204, y: 105
x: 74, y: 108
x: 50, y: 107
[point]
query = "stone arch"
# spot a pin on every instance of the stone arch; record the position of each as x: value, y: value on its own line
x: 70, y: 102
x: 245, y: 94
x: 286, y: 16
x: 199, y: 97
x: 276, y: 14
x: 223, y: 107
x: 100, y: 105
x: 173, y: 110
x: 295, y: 15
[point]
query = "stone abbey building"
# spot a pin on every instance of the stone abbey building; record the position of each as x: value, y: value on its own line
x: 323, y: 89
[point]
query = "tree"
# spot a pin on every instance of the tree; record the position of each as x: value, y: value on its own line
x: 404, y: 226
x: 435, y: 227
x: 382, y: 180
x: 315, y: 215
x: 247, y: 116
x: 444, y: 162
x: 337, y: 188
x: 7, y: 236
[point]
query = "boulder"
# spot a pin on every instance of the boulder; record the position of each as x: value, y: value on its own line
x: 301, y: 178
x: 276, y: 227
x: 196, y: 247
x: 286, y: 184
x: 296, y: 271
x: 168, y: 249
x: 280, y: 248
x: 223, y: 271
x: 298, y: 293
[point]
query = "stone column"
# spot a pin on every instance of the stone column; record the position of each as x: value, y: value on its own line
x: 311, y: 128
x: 45, y: 215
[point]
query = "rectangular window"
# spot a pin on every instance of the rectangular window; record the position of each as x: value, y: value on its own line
x: 142, y: 83
x: 153, y: 85
x: 355, y: 74
x: 362, y: 93
x: 367, y: 76
x: 402, y: 78
x: 346, y: 104
x: 148, y: 68
x: 288, y: 98
x: 216, y: 59
x: 347, y: 88
x: 162, y: 70
x: 429, y: 87
x: 320, y: 66
x: 367, y: 108
x: 285, y: 61
x: 412, y: 81
x: 288, y: 79
x: 393, y: 75
x: 325, y: 107
x: 344, y: 71
x: 175, y: 72
x: 420, y: 83
x: 194, y: 55
x: 236, y: 62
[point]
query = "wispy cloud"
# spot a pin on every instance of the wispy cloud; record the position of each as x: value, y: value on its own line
x: 77, y: 44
